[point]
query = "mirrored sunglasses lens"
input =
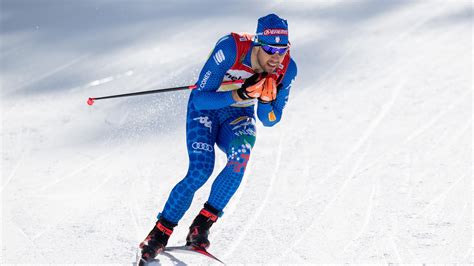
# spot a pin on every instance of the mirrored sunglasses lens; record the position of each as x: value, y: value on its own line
x: 282, y: 50
x: 268, y: 49
x: 272, y: 50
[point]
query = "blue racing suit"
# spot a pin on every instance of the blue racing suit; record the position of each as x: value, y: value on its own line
x: 214, y: 117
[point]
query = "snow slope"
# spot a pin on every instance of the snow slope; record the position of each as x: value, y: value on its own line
x: 372, y: 162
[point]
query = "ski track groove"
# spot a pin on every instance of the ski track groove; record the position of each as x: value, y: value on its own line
x: 87, y: 200
x: 437, y: 117
x: 264, y: 201
x: 385, y: 110
x: 50, y: 227
x: 387, y: 46
x: 442, y: 196
x: 469, y: 256
x: 329, y: 240
x: 409, y: 195
x: 331, y: 202
x: 133, y: 211
x: 75, y: 172
x: 6, y: 113
x: 467, y: 126
x: 50, y: 73
x: 409, y: 176
x: 370, y: 244
x: 346, y: 182
x: 458, y: 224
x: 368, y: 216
x: 395, y: 248
x: 412, y: 254
x: 273, y: 240
x: 62, y: 217
x: 422, y: 129
x: 12, y: 174
x: 36, y: 249
x: 81, y: 168
x: 105, y: 181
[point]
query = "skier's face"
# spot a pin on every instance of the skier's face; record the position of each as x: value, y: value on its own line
x: 269, y: 62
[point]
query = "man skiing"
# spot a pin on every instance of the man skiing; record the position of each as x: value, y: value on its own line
x: 225, y: 115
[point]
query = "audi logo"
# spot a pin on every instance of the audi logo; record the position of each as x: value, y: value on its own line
x: 202, y: 146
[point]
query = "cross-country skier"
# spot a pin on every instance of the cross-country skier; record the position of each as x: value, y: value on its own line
x: 225, y: 115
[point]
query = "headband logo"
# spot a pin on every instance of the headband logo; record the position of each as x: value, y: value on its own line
x: 275, y: 32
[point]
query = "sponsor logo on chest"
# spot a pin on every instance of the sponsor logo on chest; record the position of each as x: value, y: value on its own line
x: 236, y: 74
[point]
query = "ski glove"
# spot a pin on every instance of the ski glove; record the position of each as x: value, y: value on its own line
x: 252, y: 87
x: 269, y: 91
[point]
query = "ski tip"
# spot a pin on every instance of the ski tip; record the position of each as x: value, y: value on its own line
x: 143, y: 262
x: 197, y: 249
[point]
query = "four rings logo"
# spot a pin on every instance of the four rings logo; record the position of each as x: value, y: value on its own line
x: 202, y: 146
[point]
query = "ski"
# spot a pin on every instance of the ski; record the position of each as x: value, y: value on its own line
x: 193, y: 249
x: 184, y: 249
x: 143, y: 262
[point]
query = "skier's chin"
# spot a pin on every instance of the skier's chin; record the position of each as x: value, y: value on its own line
x: 269, y: 69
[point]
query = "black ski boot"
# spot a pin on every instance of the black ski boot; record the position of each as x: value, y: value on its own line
x: 156, y: 240
x: 199, y: 229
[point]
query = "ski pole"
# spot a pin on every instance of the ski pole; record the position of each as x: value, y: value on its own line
x: 91, y: 100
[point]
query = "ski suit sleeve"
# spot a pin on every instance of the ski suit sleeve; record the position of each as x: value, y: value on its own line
x: 270, y: 113
x: 222, y: 58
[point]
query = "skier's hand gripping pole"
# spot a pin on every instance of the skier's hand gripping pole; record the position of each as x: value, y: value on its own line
x: 252, y: 87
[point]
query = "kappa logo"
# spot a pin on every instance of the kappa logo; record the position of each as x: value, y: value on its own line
x: 219, y: 57
x: 202, y: 146
x: 205, y: 121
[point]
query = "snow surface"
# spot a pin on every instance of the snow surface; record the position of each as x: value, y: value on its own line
x: 372, y: 162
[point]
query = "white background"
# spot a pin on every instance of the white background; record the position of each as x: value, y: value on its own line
x: 372, y: 162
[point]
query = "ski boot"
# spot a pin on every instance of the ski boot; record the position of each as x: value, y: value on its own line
x: 199, y: 229
x: 156, y: 240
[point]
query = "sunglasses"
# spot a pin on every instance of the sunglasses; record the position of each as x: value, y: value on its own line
x: 271, y: 50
